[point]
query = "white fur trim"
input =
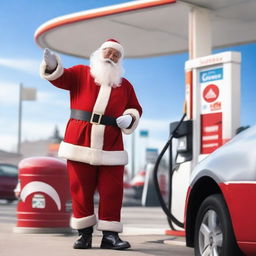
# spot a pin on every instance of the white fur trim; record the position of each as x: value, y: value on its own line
x: 114, y: 226
x: 97, y: 132
x: 58, y: 72
x: 110, y: 44
x: 91, y: 155
x: 85, y: 222
x: 135, y: 113
x: 97, y: 136
x: 102, y: 99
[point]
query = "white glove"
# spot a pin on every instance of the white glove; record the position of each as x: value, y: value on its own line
x: 124, y: 122
x: 50, y: 59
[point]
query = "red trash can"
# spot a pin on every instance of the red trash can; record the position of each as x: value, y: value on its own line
x: 45, y: 202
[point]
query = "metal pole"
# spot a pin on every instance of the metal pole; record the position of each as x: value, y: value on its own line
x: 133, y: 154
x: 19, y: 119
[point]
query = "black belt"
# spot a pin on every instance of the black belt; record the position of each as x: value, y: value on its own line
x: 93, y: 118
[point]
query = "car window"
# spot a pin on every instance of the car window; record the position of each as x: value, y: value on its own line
x: 8, y: 170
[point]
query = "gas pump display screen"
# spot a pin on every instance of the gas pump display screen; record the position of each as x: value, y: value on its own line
x: 211, y: 86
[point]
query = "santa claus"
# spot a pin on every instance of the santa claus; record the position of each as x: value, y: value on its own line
x: 103, y: 105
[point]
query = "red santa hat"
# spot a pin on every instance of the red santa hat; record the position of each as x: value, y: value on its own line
x: 112, y: 43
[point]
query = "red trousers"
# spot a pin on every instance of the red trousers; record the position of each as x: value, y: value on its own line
x: 84, y: 180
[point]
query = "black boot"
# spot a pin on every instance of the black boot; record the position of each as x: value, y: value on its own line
x: 111, y: 240
x: 85, y: 239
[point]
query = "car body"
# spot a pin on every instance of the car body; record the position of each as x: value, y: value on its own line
x: 220, y: 205
x: 143, y: 177
x: 8, y: 181
x: 137, y: 184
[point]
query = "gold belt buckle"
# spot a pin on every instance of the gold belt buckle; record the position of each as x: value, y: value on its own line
x: 98, y: 116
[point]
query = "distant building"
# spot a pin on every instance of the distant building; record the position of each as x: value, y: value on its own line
x: 9, y: 157
x: 47, y: 147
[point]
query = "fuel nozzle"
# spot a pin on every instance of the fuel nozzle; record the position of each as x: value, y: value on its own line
x: 185, y: 107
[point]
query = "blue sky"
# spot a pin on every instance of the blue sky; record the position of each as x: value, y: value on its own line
x: 158, y: 81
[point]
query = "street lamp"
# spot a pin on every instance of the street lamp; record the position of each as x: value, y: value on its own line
x: 28, y: 94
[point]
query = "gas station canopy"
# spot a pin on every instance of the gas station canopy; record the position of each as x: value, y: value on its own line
x: 148, y: 27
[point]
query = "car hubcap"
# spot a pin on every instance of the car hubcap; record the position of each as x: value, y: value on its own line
x: 210, y: 235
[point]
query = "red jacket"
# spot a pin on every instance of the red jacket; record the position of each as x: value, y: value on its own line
x: 92, y: 143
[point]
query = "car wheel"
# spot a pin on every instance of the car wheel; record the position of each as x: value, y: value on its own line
x: 214, y: 234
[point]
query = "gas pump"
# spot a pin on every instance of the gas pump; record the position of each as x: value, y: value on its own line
x: 212, y: 98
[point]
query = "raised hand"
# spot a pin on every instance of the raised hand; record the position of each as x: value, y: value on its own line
x: 50, y: 59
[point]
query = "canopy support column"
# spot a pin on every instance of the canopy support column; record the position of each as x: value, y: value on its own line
x: 200, y: 32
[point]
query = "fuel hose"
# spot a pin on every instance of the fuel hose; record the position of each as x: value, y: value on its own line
x: 155, y: 172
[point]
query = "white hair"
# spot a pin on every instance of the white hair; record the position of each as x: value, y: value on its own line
x: 105, y: 71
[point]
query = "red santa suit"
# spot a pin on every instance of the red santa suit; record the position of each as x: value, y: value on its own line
x: 95, y: 152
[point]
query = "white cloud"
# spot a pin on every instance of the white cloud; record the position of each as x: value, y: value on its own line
x: 152, y: 124
x: 30, y: 131
x: 157, y: 125
x: 158, y: 130
x: 40, y: 129
x: 9, y: 92
x: 49, y: 98
x: 27, y: 65
x: 8, y: 142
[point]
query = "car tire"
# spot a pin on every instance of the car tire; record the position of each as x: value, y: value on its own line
x: 213, y: 229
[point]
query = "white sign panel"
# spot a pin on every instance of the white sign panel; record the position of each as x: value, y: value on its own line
x: 211, y: 83
x: 28, y: 93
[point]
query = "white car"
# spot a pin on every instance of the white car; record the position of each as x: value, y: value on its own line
x: 220, y: 207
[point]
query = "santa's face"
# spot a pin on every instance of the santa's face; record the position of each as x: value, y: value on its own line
x: 106, y: 67
x: 112, y: 54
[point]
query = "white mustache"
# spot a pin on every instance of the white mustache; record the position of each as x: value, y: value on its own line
x: 110, y: 61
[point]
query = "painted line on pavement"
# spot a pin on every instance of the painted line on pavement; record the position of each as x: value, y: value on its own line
x: 174, y: 242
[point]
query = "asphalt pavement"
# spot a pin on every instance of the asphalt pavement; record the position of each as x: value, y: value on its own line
x: 144, y: 228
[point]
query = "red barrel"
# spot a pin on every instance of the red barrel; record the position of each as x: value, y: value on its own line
x: 45, y: 203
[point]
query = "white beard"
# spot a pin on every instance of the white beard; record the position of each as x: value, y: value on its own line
x: 105, y: 71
